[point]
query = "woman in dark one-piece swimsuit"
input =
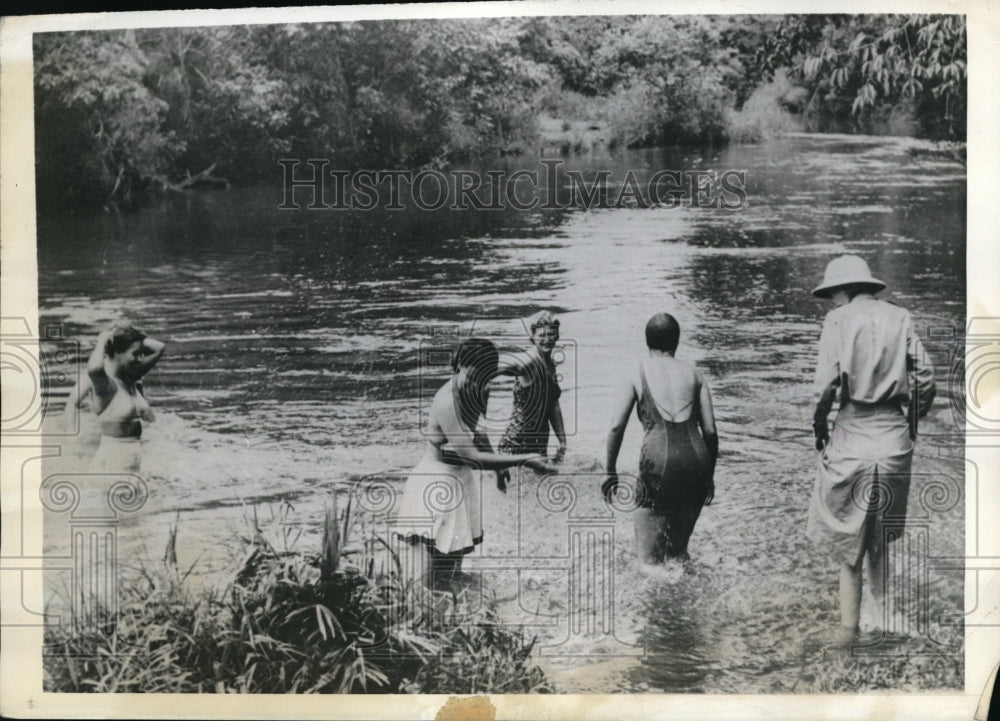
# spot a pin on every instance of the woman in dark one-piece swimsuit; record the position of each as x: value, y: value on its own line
x: 536, y: 393
x: 679, y: 448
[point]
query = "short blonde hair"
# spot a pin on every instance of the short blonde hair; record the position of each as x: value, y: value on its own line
x: 542, y: 319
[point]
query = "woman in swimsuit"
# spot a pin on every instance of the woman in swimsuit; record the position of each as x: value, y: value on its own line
x: 679, y: 448
x: 122, y: 356
x: 536, y: 393
x: 440, y: 514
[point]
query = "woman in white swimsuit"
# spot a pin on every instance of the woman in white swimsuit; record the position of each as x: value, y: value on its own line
x: 122, y: 356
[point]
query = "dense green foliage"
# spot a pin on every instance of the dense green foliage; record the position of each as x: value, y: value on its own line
x: 660, y: 79
x: 292, y: 622
x: 121, y: 112
x: 864, y: 71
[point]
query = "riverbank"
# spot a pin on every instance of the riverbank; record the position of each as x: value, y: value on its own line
x: 292, y: 621
x: 560, y: 136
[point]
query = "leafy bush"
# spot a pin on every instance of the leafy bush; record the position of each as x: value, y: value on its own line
x: 292, y: 623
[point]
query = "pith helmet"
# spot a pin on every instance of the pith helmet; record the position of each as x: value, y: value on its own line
x: 846, y: 270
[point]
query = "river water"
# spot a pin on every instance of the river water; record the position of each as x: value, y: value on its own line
x: 302, y: 350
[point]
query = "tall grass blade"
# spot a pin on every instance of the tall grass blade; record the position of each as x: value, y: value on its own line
x: 330, y: 555
x: 170, y: 552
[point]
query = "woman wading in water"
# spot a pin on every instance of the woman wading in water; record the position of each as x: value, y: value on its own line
x: 871, y: 356
x: 122, y: 356
x: 679, y: 445
x: 536, y: 393
x: 440, y: 514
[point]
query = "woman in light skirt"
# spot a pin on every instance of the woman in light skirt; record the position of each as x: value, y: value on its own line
x: 871, y: 358
x: 440, y: 514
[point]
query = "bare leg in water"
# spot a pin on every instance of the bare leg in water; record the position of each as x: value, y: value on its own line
x: 415, y: 562
x: 652, y: 541
x: 424, y: 564
x: 850, y: 596
x: 850, y: 580
x: 444, y: 569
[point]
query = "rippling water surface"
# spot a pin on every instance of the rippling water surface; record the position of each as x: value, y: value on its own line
x: 301, y: 355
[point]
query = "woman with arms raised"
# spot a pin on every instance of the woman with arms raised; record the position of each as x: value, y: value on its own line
x: 122, y: 356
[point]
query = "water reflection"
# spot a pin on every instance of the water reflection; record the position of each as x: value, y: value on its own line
x: 677, y: 636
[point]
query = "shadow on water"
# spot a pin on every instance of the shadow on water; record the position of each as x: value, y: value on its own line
x: 676, y: 636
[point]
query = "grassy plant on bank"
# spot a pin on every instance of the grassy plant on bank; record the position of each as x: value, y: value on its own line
x: 292, y: 623
x: 927, y: 668
x: 480, y: 660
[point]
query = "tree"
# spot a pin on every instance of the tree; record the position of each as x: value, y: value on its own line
x: 98, y: 128
x: 861, y: 67
x: 672, y: 79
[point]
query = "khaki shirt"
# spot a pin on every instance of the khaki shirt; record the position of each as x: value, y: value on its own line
x: 868, y: 348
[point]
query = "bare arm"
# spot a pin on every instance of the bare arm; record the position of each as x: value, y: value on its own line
x: 77, y: 395
x: 462, y: 440
x: 74, y: 402
x: 152, y: 352
x: 559, y: 428
x: 706, y: 420
x: 95, y: 361
x: 622, y: 405
x: 482, y: 442
x: 104, y: 387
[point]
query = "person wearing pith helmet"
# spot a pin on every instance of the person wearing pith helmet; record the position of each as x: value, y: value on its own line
x: 872, y: 363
